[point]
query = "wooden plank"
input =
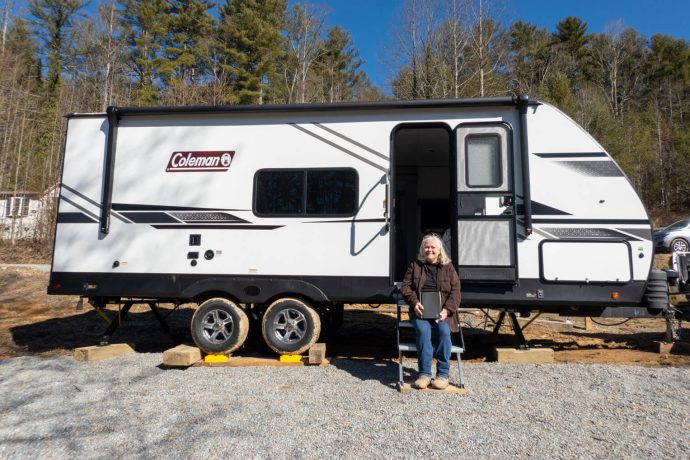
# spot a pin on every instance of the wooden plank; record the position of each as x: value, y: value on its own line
x: 181, y: 356
x: 450, y: 390
x: 97, y: 352
x: 588, y: 323
x: 317, y: 353
x: 674, y: 348
x: 528, y: 356
x: 248, y: 361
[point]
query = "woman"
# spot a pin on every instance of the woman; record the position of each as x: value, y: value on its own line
x: 432, y: 271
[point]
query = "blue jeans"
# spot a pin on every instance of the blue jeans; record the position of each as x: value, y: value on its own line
x: 426, y: 350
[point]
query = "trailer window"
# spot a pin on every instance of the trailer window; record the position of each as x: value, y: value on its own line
x: 279, y: 192
x: 306, y: 192
x: 331, y: 192
x: 483, y: 161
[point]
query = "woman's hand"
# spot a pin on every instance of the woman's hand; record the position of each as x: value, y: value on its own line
x: 419, y: 309
x: 444, y: 314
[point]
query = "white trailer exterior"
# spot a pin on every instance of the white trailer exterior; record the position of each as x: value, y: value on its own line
x: 327, y: 203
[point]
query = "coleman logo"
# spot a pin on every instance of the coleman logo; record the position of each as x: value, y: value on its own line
x: 199, y: 161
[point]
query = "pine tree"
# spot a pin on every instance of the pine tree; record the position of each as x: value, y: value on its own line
x: 53, y: 22
x: 338, y: 66
x: 250, y: 37
x: 187, y: 53
x: 145, y: 25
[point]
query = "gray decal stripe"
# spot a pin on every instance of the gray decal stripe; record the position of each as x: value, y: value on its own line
x: 593, y: 168
x: 352, y: 141
x: 88, y: 213
x: 580, y: 232
x: 573, y: 155
x: 342, y: 149
x: 643, y: 234
x: 86, y: 198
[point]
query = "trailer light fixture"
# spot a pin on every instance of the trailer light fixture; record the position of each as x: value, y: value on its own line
x: 57, y: 286
x: 615, y: 296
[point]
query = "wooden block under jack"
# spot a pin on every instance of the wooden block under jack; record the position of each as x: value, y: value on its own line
x: 317, y: 353
x: 674, y: 348
x: 527, y: 356
x: 99, y: 352
x: 181, y: 356
x: 450, y: 390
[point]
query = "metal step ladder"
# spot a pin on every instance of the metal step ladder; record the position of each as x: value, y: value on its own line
x: 458, y: 350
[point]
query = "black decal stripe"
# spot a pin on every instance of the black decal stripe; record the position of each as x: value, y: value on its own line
x: 85, y: 211
x: 594, y: 221
x: 150, y: 218
x: 355, y: 221
x: 342, y: 149
x: 351, y: 141
x: 89, y: 200
x: 540, y: 209
x: 75, y: 218
x: 217, y: 227
x: 153, y: 207
x: 642, y: 233
x: 573, y: 155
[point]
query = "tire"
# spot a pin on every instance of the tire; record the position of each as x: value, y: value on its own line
x: 679, y: 245
x: 290, y: 326
x: 219, y: 326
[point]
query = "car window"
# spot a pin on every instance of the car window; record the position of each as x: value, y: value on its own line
x: 678, y: 225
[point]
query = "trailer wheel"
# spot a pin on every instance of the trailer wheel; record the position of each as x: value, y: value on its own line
x: 219, y: 326
x: 290, y: 326
x: 679, y: 245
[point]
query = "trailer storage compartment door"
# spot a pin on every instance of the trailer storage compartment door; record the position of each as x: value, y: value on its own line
x: 586, y: 261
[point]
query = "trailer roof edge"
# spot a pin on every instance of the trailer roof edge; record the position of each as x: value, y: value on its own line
x: 321, y: 107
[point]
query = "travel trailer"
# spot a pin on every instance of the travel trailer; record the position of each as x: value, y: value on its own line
x: 283, y: 213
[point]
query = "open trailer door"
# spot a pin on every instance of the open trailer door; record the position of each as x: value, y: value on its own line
x: 486, y: 221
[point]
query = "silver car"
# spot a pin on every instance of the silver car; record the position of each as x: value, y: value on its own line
x: 674, y: 238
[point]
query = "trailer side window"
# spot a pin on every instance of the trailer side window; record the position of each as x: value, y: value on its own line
x: 332, y: 192
x: 279, y: 192
x: 306, y: 192
x: 483, y: 161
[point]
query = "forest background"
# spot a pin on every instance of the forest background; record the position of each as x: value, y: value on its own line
x: 630, y: 91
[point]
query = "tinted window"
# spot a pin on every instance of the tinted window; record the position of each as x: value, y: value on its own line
x: 280, y: 192
x: 331, y: 192
x: 483, y: 161
x: 328, y: 192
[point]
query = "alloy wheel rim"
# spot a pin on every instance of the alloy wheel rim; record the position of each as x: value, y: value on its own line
x: 290, y: 326
x: 217, y: 326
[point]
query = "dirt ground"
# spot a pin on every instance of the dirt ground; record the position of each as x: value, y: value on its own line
x: 33, y: 323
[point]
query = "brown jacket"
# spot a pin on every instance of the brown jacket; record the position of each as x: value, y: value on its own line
x: 448, y: 284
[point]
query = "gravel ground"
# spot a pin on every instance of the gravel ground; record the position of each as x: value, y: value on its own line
x: 132, y: 407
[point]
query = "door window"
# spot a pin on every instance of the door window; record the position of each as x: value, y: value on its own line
x: 483, y: 161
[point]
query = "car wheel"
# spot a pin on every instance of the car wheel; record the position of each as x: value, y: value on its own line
x: 679, y: 245
x: 290, y: 326
x: 219, y: 326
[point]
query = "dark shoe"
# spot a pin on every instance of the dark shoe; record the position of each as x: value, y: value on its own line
x: 440, y: 384
x: 422, y: 382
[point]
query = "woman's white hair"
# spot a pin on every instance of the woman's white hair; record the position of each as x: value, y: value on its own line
x: 443, y: 257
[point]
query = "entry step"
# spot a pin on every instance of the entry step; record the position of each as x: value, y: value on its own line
x: 412, y: 347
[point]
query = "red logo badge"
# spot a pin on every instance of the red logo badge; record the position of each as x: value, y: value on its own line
x: 200, y: 161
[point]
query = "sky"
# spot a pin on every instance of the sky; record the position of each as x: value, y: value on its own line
x: 373, y: 23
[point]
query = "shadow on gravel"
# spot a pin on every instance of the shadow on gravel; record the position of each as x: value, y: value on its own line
x: 385, y: 372
x: 139, y: 329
